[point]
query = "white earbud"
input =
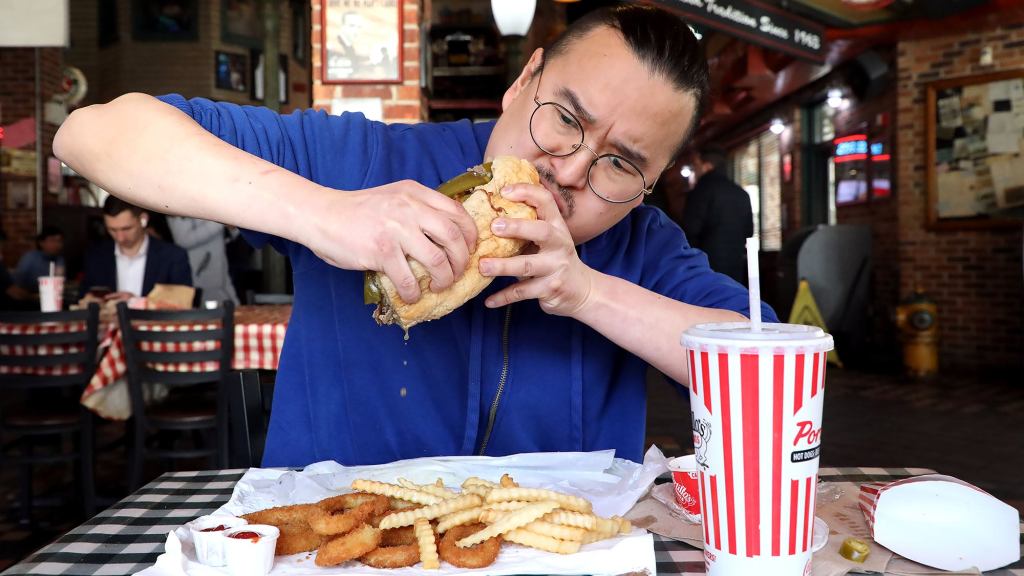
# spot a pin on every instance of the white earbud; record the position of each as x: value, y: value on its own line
x: 145, y: 221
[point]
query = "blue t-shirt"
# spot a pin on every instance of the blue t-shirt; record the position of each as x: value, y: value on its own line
x: 359, y: 393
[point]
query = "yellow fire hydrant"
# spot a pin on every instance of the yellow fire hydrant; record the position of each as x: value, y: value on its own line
x: 917, y: 318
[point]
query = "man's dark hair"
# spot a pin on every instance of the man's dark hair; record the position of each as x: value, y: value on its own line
x: 48, y: 231
x: 114, y: 206
x: 659, y: 39
x: 714, y: 155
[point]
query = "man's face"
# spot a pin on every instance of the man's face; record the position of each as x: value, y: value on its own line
x: 126, y: 229
x: 619, y: 104
x: 52, y: 245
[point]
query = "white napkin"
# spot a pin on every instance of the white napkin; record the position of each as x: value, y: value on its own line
x: 613, y: 485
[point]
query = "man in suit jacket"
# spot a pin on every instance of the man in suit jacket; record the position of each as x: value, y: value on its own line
x: 132, y: 262
x: 718, y: 218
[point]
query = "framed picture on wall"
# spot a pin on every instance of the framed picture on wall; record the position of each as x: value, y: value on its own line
x: 165, y: 20
x: 241, y: 23
x: 362, y: 41
x: 231, y: 71
x: 974, y: 143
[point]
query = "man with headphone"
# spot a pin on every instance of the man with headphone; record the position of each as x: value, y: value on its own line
x: 132, y: 261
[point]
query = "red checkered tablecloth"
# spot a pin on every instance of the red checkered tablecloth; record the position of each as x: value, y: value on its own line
x: 41, y: 350
x: 259, y: 337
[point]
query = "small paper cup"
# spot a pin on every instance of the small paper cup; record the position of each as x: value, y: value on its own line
x: 209, y: 544
x: 248, y: 555
x: 684, y: 480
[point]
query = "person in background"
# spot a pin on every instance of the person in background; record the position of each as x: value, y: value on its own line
x: 204, y: 241
x: 718, y: 218
x: 553, y: 355
x: 49, y: 251
x: 131, y: 262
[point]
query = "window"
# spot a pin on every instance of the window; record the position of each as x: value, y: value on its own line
x: 757, y: 169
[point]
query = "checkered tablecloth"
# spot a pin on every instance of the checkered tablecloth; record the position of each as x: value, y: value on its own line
x: 259, y: 337
x: 130, y: 535
x: 41, y: 350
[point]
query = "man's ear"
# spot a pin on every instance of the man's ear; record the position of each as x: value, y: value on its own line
x: 523, y: 80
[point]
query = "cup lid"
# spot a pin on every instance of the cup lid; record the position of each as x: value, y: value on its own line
x: 772, y: 334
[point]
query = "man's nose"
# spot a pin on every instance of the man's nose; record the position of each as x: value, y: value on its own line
x: 571, y: 171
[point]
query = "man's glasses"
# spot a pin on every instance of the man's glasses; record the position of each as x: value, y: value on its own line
x: 557, y: 132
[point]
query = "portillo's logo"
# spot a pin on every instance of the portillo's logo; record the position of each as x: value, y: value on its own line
x: 701, y: 435
x: 806, y: 435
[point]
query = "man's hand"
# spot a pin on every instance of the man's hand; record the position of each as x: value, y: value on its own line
x: 377, y: 228
x: 553, y: 273
x: 118, y: 297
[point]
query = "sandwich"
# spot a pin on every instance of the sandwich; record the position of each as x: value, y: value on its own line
x: 479, y: 190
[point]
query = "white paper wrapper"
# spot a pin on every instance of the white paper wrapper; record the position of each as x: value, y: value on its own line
x: 613, y: 486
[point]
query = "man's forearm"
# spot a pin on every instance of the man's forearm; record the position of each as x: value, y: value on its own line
x: 644, y: 322
x: 151, y: 154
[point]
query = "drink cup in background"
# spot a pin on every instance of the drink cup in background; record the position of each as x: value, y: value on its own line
x: 756, y: 400
x: 51, y: 293
x: 685, y: 485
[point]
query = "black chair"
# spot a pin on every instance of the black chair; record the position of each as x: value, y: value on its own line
x: 197, y: 401
x: 251, y: 393
x: 44, y: 374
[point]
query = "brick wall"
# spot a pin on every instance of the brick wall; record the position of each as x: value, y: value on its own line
x: 974, y: 275
x: 17, y: 101
x: 401, y: 102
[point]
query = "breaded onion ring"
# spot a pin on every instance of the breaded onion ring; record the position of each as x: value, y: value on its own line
x: 294, y: 514
x: 476, y: 556
x: 296, y: 538
x: 356, y: 543
x: 392, y: 556
x: 341, y: 514
x: 398, y: 536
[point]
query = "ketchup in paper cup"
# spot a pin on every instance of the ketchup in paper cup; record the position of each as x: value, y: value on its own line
x: 208, y: 536
x: 249, y: 549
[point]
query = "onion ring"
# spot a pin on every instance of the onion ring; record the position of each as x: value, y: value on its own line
x: 341, y: 514
x: 398, y: 536
x: 356, y: 543
x: 392, y: 556
x: 296, y: 538
x: 476, y: 556
x: 294, y: 514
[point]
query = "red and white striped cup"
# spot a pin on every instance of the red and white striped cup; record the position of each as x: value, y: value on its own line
x: 756, y: 400
x: 685, y: 485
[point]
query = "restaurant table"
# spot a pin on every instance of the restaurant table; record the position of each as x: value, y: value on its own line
x: 130, y: 535
x: 259, y: 337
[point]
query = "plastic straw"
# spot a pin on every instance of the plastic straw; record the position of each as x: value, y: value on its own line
x: 53, y: 270
x: 754, y: 280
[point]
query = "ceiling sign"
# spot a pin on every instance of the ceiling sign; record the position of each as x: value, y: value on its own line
x: 757, y: 23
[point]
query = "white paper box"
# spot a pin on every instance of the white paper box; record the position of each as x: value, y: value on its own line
x: 942, y: 522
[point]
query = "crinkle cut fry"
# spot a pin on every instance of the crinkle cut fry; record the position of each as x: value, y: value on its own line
x: 439, y: 491
x: 569, y: 518
x: 395, y: 491
x: 477, y: 481
x: 566, y: 501
x: 511, y: 520
x: 510, y: 505
x: 442, y: 508
x: 427, y: 543
x: 556, y: 530
x: 546, y: 543
x: 467, y: 516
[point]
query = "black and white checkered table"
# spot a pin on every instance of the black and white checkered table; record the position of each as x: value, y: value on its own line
x: 130, y: 535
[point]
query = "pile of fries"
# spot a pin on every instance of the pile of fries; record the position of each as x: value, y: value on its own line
x: 403, y: 524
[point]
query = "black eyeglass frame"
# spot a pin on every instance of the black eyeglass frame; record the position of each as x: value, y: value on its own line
x: 645, y: 191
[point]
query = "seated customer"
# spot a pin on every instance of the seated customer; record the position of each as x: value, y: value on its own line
x: 133, y: 262
x: 36, y: 263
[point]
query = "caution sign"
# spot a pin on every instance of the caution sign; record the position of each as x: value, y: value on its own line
x: 805, y: 311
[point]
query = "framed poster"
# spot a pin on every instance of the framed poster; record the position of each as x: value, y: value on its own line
x: 974, y: 142
x: 231, y: 71
x: 163, y: 20
x: 241, y: 23
x: 362, y: 41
